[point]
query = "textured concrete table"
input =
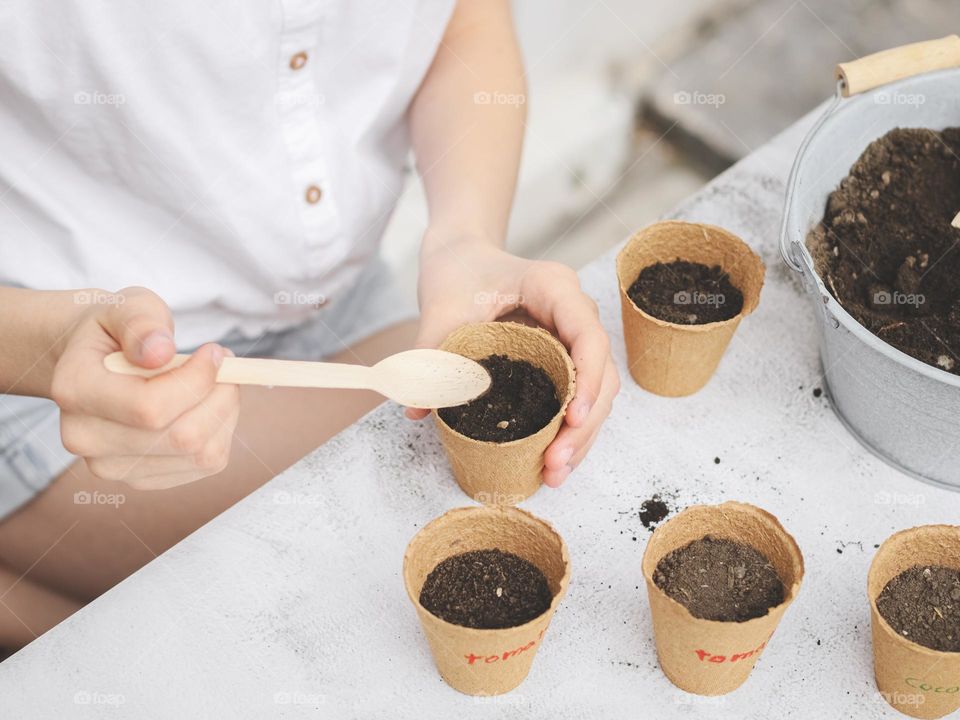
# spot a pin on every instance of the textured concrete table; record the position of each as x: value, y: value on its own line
x: 291, y: 604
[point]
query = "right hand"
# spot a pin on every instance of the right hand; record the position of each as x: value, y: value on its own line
x: 154, y: 433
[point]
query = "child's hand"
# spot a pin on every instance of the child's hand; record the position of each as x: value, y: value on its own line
x: 151, y: 433
x: 473, y: 281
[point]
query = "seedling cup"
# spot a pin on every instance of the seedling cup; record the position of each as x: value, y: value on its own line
x: 916, y: 680
x: 485, y: 662
x: 664, y: 357
x: 508, y: 472
x: 708, y: 657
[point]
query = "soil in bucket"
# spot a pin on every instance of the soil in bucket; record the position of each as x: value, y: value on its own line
x: 686, y: 293
x: 923, y: 605
x: 486, y: 589
x: 719, y: 579
x: 885, y: 245
x: 522, y: 399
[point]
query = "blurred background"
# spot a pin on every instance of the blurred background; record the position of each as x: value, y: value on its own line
x: 634, y: 104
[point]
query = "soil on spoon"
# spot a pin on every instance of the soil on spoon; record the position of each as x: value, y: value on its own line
x: 486, y: 589
x: 719, y: 579
x: 886, y: 249
x: 522, y: 399
x: 923, y: 605
x: 686, y: 293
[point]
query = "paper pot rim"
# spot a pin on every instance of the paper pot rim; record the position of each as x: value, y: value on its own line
x: 490, y: 509
x: 871, y: 574
x: 564, y: 402
x: 790, y: 592
x: 699, y: 327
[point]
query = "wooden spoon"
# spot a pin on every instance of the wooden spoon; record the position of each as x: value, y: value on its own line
x: 414, y: 378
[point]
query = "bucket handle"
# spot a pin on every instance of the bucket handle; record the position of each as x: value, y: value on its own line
x: 897, y: 63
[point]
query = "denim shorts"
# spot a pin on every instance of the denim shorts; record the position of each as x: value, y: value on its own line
x: 31, y: 454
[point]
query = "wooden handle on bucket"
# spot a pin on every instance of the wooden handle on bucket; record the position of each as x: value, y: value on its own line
x: 897, y: 63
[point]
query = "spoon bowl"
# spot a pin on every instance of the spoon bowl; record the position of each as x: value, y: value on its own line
x: 430, y: 378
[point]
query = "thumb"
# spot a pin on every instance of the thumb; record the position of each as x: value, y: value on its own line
x: 143, y: 327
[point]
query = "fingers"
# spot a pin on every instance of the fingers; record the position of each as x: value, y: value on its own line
x: 556, y: 478
x: 93, y: 437
x: 562, y: 305
x: 82, y: 385
x: 573, y: 441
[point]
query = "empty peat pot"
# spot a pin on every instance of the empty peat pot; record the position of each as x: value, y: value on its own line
x: 668, y: 358
x: 916, y: 680
x: 479, y: 661
x: 505, y: 473
x: 710, y: 657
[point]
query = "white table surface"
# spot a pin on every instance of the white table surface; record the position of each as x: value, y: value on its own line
x: 291, y: 603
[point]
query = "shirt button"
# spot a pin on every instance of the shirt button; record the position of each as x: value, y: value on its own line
x: 298, y: 61
x: 314, y: 194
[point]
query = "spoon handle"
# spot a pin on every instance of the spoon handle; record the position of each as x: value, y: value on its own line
x: 259, y: 371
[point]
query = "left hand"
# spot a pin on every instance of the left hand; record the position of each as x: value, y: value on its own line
x: 471, y: 281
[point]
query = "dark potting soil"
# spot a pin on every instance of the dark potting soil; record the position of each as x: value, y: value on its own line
x: 486, y: 589
x: 886, y: 249
x: 686, y: 293
x: 522, y: 399
x: 923, y: 604
x: 652, y: 511
x: 718, y: 579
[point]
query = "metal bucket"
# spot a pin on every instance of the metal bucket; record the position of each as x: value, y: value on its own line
x: 903, y: 410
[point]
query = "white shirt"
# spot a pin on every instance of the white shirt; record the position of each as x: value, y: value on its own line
x: 241, y: 159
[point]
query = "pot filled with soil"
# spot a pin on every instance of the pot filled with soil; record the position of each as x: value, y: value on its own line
x: 914, y: 591
x: 485, y: 582
x: 684, y: 287
x: 870, y: 202
x: 495, y: 443
x: 719, y: 579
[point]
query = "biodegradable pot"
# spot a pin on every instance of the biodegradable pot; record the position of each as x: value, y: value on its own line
x: 914, y: 679
x: 709, y: 657
x: 506, y: 473
x: 670, y: 359
x: 485, y: 662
